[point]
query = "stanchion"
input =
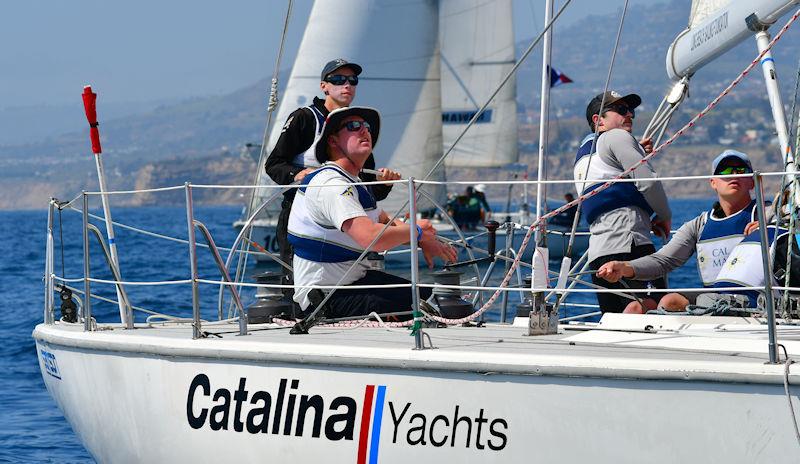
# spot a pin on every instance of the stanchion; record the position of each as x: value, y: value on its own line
x: 770, y: 304
x: 196, y: 332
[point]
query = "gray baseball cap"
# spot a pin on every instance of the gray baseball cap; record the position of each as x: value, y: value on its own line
x: 333, y: 65
x: 631, y: 100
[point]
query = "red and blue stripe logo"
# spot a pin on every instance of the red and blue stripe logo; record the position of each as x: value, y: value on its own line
x: 371, y: 437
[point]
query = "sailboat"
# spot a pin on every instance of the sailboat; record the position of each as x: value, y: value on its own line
x: 427, y: 92
x: 661, y: 388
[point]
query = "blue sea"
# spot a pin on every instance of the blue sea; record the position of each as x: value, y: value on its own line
x: 32, y: 428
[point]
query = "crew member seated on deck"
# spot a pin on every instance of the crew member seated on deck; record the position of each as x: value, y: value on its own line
x: 331, y: 224
x: 713, y: 235
x: 621, y: 217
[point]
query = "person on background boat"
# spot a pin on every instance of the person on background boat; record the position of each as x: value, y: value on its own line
x: 331, y: 223
x: 293, y: 158
x: 621, y: 217
x: 479, y: 192
x: 566, y: 218
x: 713, y: 235
x: 466, y: 209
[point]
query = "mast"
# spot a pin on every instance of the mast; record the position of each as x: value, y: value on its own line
x: 543, y: 120
x: 775, y: 101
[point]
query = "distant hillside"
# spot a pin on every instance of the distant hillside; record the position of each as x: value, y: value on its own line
x: 199, y: 139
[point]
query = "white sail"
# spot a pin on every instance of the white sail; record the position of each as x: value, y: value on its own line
x: 396, y: 44
x: 477, y: 48
x: 701, y: 9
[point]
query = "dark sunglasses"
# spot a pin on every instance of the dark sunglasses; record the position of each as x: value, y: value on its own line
x: 734, y: 170
x: 621, y: 110
x: 339, y: 79
x: 355, y: 126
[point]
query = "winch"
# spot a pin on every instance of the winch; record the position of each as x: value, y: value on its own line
x: 448, y: 300
x: 270, y: 301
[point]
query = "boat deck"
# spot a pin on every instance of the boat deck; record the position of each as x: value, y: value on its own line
x: 620, y: 346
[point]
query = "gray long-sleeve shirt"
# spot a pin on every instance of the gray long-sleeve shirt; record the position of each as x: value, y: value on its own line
x: 672, y: 255
x: 679, y: 249
x: 617, y: 230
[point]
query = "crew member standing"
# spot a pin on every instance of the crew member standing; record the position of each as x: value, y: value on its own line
x: 293, y: 155
x: 621, y: 217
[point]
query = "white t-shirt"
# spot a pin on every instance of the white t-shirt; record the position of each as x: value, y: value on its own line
x: 329, y: 203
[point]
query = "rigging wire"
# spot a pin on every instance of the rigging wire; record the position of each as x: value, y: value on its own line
x: 273, y: 102
x: 787, y: 365
x: 577, y: 217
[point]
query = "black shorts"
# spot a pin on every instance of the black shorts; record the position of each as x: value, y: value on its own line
x: 611, y: 303
x: 347, y: 302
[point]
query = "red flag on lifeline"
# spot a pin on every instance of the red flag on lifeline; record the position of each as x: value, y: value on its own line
x: 89, y: 99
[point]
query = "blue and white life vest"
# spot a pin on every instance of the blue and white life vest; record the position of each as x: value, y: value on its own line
x: 619, y: 195
x: 718, y: 239
x: 744, y: 267
x: 325, y: 243
x: 309, y: 157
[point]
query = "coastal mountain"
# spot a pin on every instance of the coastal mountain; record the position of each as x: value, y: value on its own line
x: 200, y: 140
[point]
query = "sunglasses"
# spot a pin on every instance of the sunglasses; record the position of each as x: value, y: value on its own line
x: 355, y: 126
x: 339, y: 79
x: 734, y: 170
x: 620, y: 109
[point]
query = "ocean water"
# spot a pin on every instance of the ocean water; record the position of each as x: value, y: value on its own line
x: 32, y: 428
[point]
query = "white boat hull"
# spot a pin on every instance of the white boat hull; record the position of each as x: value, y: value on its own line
x: 138, y: 398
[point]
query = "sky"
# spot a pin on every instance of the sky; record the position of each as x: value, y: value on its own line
x: 165, y: 50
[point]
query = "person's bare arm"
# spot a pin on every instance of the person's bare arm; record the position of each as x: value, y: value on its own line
x: 363, y: 231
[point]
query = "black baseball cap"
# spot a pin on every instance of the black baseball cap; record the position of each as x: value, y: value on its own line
x: 334, y: 122
x: 631, y: 101
x: 333, y: 65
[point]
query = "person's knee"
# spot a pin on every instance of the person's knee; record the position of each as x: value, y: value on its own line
x: 673, y: 302
x: 634, y: 307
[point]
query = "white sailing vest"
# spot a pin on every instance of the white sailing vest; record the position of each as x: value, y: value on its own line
x: 744, y: 267
x: 325, y: 243
x: 589, y: 165
x: 309, y: 158
x: 718, y: 239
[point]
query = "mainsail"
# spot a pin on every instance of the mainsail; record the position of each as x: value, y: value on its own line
x: 477, y: 51
x: 701, y: 9
x: 396, y: 43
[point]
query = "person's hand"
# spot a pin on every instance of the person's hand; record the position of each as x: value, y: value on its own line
x: 751, y: 227
x: 434, y: 248
x: 647, y: 145
x: 300, y: 175
x: 612, y: 271
x: 388, y: 174
x: 661, y: 228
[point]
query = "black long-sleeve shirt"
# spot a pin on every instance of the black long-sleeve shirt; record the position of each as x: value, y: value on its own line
x: 296, y: 137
